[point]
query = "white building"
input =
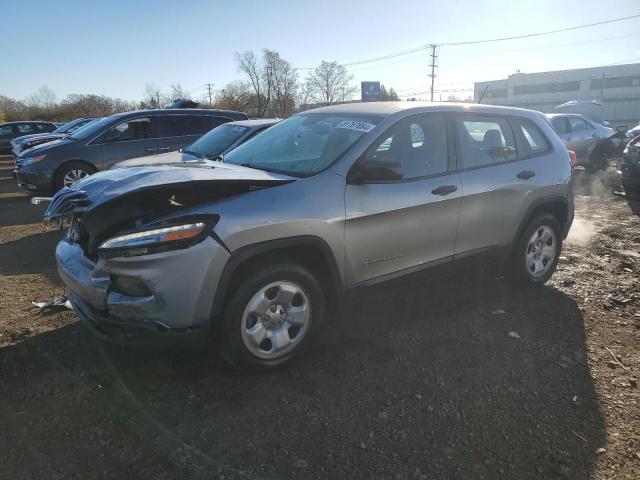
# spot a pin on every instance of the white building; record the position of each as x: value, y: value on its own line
x: 616, y: 86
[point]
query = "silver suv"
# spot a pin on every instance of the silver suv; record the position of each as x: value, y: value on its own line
x: 251, y: 251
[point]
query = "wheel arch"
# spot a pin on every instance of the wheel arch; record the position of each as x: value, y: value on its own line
x: 558, y: 206
x: 59, y: 167
x: 308, y: 251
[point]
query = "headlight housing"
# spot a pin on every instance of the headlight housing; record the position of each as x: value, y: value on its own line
x: 156, y: 239
x: 31, y: 159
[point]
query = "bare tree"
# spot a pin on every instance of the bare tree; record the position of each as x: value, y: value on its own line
x: 249, y: 65
x: 152, y: 97
x: 235, y: 95
x: 282, y: 83
x: 177, y: 92
x: 330, y: 83
x: 44, y: 98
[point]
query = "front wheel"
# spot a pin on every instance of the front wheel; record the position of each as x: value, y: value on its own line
x: 538, y: 250
x: 70, y: 173
x: 271, y: 317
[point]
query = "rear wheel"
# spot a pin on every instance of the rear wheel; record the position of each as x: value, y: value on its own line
x: 271, y: 317
x: 536, y: 255
x: 70, y: 173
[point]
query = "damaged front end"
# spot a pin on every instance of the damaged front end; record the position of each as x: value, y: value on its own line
x: 138, y: 258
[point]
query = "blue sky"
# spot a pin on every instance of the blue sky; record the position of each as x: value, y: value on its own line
x: 115, y: 47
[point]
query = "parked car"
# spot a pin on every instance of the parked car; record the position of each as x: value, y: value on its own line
x: 630, y: 168
x: 632, y: 133
x: 593, y: 143
x: 11, y: 130
x: 25, y: 142
x: 112, y: 139
x: 254, y: 250
x: 212, y: 145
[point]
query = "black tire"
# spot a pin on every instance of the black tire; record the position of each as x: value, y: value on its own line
x: 231, y: 341
x: 519, y: 269
x: 64, y: 169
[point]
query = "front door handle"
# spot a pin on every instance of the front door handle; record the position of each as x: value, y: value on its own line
x: 526, y: 174
x: 444, y: 189
x: 164, y: 149
x: 150, y: 150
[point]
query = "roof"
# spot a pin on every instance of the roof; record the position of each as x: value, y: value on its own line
x: 18, y: 122
x: 389, y: 108
x: 256, y: 122
x: 184, y: 111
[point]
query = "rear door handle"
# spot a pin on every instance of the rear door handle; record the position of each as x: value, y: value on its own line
x: 164, y: 149
x: 526, y: 174
x: 150, y: 150
x: 444, y: 189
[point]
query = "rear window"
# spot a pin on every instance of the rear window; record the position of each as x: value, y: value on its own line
x: 534, y: 138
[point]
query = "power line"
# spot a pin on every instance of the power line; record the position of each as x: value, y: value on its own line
x: 472, y: 42
x: 529, y: 35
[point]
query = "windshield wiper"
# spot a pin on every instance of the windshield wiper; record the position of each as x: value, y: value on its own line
x: 218, y: 157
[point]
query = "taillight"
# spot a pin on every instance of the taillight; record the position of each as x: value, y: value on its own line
x: 572, y: 158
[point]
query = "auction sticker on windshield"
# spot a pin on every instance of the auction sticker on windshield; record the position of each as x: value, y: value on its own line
x: 358, y: 126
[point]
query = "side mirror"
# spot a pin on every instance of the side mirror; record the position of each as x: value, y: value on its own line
x: 371, y: 171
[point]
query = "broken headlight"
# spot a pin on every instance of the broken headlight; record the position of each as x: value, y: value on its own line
x: 154, y: 240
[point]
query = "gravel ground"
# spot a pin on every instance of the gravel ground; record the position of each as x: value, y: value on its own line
x: 423, y: 382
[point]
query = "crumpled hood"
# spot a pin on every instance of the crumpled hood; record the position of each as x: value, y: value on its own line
x: 170, y: 158
x: 105, y: 186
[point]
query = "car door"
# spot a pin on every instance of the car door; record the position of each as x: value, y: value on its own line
x: 497, y: 179
x: 409, y: 224
x: 131, y: 138
x: 580, y: 137
x: 561, y: 127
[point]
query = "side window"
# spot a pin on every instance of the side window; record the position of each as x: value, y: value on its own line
x: 180, y: 125
x: 534, y: 137
x: 26, y: 128
x: 577, y: 124
x: 6, y: 131
x: 485, y: 141
x: 137, y: 129
x: 418, y: 143
x: 42, y: 127
x: 559, y: 124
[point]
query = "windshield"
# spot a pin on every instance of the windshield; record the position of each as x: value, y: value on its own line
x: 93, y: 128
x: 303, y: 145
x: 216, y: 141
x: 71, y: 126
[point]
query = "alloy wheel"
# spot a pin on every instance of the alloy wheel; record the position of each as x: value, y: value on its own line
x: 541, y: 251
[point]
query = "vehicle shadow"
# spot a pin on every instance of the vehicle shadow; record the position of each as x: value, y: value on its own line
x: 415, y: 382
x: 31, y: 254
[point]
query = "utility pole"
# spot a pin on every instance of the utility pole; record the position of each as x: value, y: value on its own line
x: 209, y: 89
x: 433, y: 65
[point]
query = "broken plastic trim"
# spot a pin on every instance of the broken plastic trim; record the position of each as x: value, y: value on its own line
x: 205, y: 223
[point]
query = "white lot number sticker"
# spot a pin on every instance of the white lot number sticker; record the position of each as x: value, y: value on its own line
x: 358, y: 126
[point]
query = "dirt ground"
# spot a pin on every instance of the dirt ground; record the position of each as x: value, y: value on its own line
x: 416, y: 383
